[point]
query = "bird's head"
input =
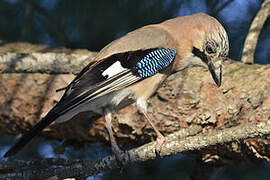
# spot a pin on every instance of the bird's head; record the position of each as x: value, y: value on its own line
x: 211, y: 49
x: 202, y: 41
x: 210, y: 52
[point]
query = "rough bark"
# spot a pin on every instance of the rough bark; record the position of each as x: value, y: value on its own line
x: 186, y: 98
x: 27, y: 58
x: 254, y: 32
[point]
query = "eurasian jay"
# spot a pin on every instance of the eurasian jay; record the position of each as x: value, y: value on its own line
x: 131, y: 68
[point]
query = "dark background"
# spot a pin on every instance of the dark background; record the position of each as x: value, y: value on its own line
x: 92, y: 24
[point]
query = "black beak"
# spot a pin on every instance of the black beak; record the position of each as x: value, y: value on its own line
x: 216, y: 73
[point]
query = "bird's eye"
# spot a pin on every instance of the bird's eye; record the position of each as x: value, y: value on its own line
x: 210, y: 50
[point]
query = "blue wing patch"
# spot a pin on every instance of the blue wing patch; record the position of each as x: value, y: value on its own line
x: 154, y: 62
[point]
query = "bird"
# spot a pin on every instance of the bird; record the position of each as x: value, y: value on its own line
x: 130, y: 69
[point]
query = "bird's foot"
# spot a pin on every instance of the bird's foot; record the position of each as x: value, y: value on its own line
x: 114, y: 147
x: 118, y: 154
x: 159, y: 142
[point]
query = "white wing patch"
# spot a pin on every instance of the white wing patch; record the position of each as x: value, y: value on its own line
x: 114, y: 69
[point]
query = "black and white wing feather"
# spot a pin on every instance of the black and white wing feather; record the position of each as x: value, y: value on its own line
x: 114, y: 73
x: 95, y: 80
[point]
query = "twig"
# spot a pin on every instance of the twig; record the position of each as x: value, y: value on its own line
x: 175, y: 143
x: 254, y: 32
x: 78, y: 167
x: 38, y: 163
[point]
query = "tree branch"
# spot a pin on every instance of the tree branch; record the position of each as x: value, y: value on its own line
x: 180, y: 141
x: 254, y: 32
x: 49, y: 63
x: 188, y: 98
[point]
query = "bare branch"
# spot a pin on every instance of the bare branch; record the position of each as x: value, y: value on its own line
x: 50, y: 63
x: 181, y: 141
x: 254, y: 32
x: 186, y: 99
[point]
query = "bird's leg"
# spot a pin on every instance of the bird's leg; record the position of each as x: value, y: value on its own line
x: 108, y: 124
x: 160, y: 138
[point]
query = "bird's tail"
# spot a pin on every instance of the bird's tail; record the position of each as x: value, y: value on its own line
x: 48, y: 119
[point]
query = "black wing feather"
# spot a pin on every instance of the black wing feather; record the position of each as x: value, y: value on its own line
x: 88, y: 85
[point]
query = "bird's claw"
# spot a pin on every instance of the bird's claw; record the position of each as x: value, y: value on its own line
x: 159, y: 142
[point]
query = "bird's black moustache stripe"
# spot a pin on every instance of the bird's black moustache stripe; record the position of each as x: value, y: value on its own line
x: 200, y: 54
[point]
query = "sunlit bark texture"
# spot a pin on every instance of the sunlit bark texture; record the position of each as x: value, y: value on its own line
x: 186, y: 98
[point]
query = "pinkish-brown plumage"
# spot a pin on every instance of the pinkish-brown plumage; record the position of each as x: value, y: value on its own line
x: 115, y: 81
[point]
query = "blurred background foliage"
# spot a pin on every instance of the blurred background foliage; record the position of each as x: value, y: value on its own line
x: 92, y: 24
